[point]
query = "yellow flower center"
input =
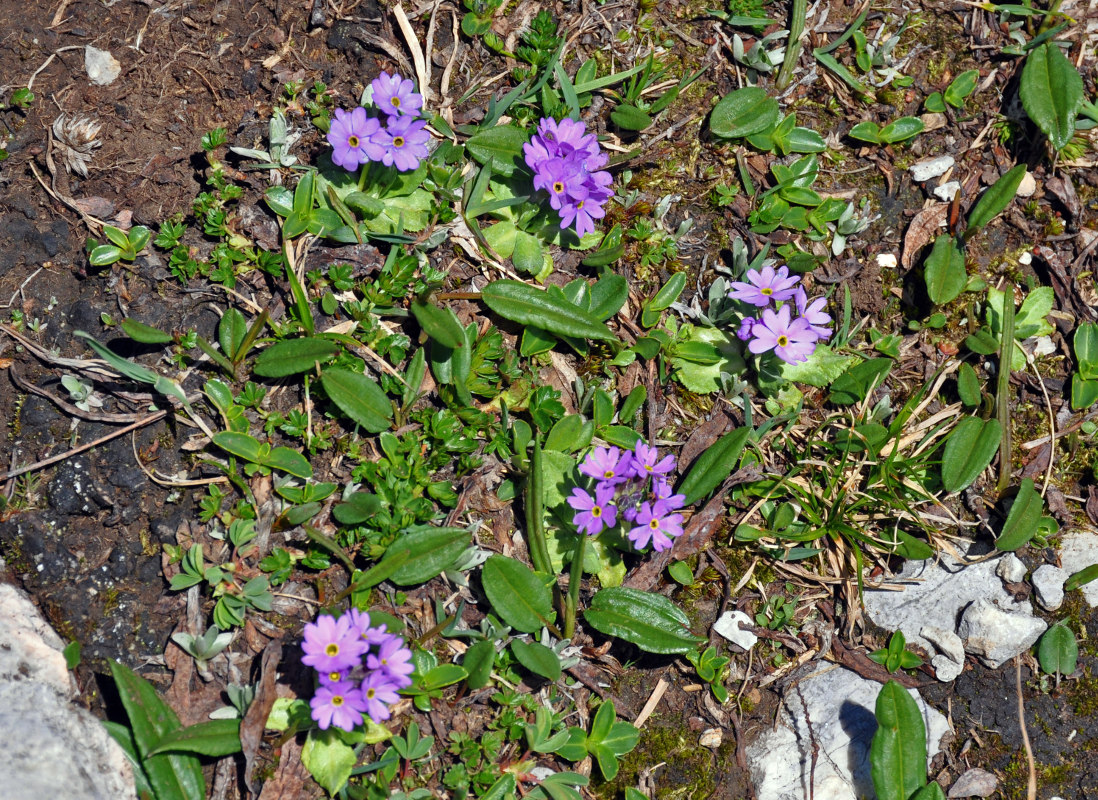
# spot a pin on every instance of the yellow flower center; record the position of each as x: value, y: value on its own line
x: 332, y: 650
x: 654, y: 524
x: 608, y: 474
x: 767, y: 291
x: 398, y: 141
x: 370, y: 693
x: 334, y: 676
x: 783, y: 341
x: 580, y: 203
x: 352, y: 141
x: 337, y: 700
x: 596, y: 512
x: 558, y: 187
x: 395, y: 101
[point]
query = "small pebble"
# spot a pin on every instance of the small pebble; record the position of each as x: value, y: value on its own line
x: 887, y: 261
x: 730, y: 626
x: 947, y: 191
x: 1048, y: 583
x: 713, y: 737
x: 1010, y: 568
x: 974, y: 783
x: 101, y: 66
x: 931, y: 168
x: 1025, y: 259
x: 1027, y: 187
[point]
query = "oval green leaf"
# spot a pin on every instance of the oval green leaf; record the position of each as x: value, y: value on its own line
x: 146, y: 334
x: 968, y: 385
x: 500, y: 146
x: 897, y: 755
x: 537, y: 658
x: 441, y: 324
x: 945, y: 273
x: 478, y: 662
x: 630, y: 118
x: 293, y: 356
x: 517, y: 594
x: 968, y: 451
x: 524, y: 304
x: 240, y: 445
x: 360, y: 506
x: 650, y: 621
x: 359, y: 397
x: 1023, y: 518
x: 290, y: 461
x: 431, y: 550
x: 744, y: 112
x: 901, y: 129
x: 217, y: 737
x: 713, y: 466
x: 1052, y: 92
x: 1058, y: 651
x: 995, y: 200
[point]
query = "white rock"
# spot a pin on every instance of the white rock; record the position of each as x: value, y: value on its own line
x: 934, y: 593
x: 730, y: 626
x: 1025, y: 259
x: 1027, y: 187
x: 996, y: 635
x: 931, y: 168
x: 974, y: 783
x: 947, y: 191
x: 1011, y: 568
x: 1079, y: 550
x: 52, y: 747
x: 1048, y: 582
x: 841, y: 723
x: 101, y: 66
x: 946, y: 669
x: 711, y: 737
x: 887, y: 260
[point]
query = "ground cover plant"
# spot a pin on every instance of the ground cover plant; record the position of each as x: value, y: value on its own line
x: 483, y: 364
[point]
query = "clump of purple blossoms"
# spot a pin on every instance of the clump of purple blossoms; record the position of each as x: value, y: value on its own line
x: 360, y: 669
x: 401, y: 141
x: 567, y: 163
x: 634, y: 486
x: 792, y: 338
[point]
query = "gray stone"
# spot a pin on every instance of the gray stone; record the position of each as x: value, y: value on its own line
x: 951, y: 662
x: 996, y: 634
x: 1079, y: 550
x: 1048, y: 582
x: 1011, y: 568
x: 1027, y: 187
x: 101, y: 66
x: 731, y: 627
x: 947, y: 191
x: 931, y: 168
x: 841, y: 723
x: 946, y: 669
x: 53, y: 748
x: 974, y: 783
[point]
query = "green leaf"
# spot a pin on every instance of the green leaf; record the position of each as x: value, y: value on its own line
x: 1023, y: 518
x: 241, y: 445
x: 537, y: 658
x: 441, y: 324
x: 524, y: 304
x: 680, y: 571
x: 518, y: 594
x: 805, y: 140
x: 668, y: 293
x: 290, y: 461
x: 380, y: 571
x: 146, y: 334
x: 744, y: 112
x: 995, y: 200
x: 1086, y: 350
x: 478, y: 662
x: 500, y: 146
x: 571, y: 433
x: 935, y: 103
x: 103, y: 255
x: 866, y: 132
x: 528, y: 255
x: 360, y: 507
x: 932, y: 791
x: 608, y: 296
x: 901, y: 129
x: 124, y: 737
x: 961, y: 87
x: 982, y: 342
x: 174, y: 775
x: 432, y: 550
x: 968, y: 385
x: 713, y: 466
x: 218, y: 737
x: 328, y: 758
x: 231, y: 332
x: 897, y: 755
x: 359, y: 397
x: 968, y: 451
x: 293, y: 356
x: 1084, y: 393
x: 821, y: 368
x: 944, y: 272
x: 1057, y: 650
x: 1081, y: 578
x: 650, y: 621
x: 1052, y: 93
x: 630, y: 118
x: 125, y: 367
x: 503, y: 789
x: 854, y: 385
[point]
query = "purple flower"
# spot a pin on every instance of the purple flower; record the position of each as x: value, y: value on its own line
x: 394, y: 660
x: 339, y: 704
x: 793, y: 341
x: 396, y: 96
x: 334, y: 677
x: 655, y: 527
x: 332, y: 645
x: 646, y: 461
x: 583, y: 213
x: 560, y: 139
x: 404, y: 142
x: 744, y: 333
x: 666, y: 499
x: 594, y: 513
x: 606, y: 464
x: 813, y: 313
x: 377, y: 693
x: 353, y: 138
x: 360, y: 623
x: 563, y: 181
x: 762, y: 287
x: 566, y: 162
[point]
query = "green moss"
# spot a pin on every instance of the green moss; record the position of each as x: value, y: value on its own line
x: 688, y: 768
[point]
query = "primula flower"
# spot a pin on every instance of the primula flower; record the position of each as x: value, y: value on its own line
x: 813, y: 313
x: 666, y: 499
x: 396, y: 96
x: 764, y: 286
x: 567, y: 163
x: 655, y: 527
x: 744, y: 333
x: 377, y: 693
x: 792, y: 340
x: 562, y: 180
x: 594, y: 513
x: 332, y: 645
x: 394, y: 660
x: 339, y: 704
x: 404, y: 142
x: 353, y: 138
x: 583, y: 213
x: 607, y: 465
x: 360, y: 624
x: 646, y: 461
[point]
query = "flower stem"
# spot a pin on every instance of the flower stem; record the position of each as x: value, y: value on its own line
x: 575, y: 578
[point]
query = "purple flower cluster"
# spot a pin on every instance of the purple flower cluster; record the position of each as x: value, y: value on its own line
x: 792, y: 338
x: 360, y: 669
x: 634, y: 485
x: 567, y: 163
x: 357, y: 138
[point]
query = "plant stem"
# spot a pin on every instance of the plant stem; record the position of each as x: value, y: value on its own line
x: 575, y: 578
x: 1002, y: 393
x: 793, y: 48
x: 535, y: 514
